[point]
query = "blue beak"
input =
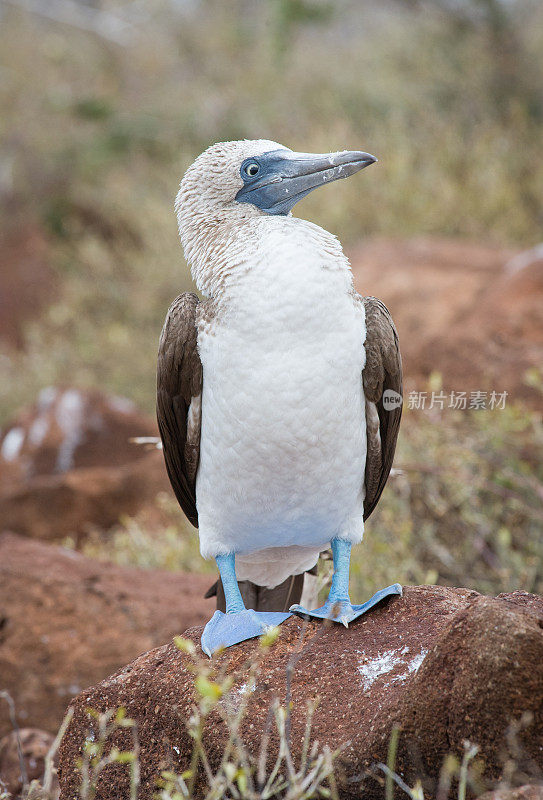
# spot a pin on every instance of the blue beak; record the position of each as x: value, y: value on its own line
x: 276, y: 181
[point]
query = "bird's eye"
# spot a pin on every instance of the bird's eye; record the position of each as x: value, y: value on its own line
x: 251, y: 169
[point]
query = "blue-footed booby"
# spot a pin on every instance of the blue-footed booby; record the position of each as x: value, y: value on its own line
x: 272, y: 392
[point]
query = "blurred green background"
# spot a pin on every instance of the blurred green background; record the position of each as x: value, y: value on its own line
x: 102, y: 108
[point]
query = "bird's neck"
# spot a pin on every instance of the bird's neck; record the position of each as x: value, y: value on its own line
x: 222, y: 247
x: 215, y: 243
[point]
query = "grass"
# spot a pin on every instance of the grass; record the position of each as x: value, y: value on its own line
x: 466, y: 510
x: 135, y: 542
x: 96, y: 137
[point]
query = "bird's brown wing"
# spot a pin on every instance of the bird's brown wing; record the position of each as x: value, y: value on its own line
x: 179, y: 400
x: 382, y: 373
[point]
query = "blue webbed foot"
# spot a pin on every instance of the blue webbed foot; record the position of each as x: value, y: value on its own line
x: 342, y: 610
x: 224, y: 630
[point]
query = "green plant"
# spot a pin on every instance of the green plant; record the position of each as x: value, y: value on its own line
x: 465, y: 507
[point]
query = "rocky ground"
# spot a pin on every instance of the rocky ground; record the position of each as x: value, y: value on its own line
x: 68, y: 465
x: 67, y: 621
x: 444, y: 665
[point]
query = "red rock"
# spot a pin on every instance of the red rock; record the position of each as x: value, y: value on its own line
x: 67, y: 621
x: 52, y: 507
x: 443, y: 664
x: 67, y: 464
x: 461, y: 309
x: 35, y: 745
x: 70, y: 428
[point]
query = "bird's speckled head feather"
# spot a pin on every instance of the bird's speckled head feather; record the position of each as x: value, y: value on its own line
x: 214, y: 179
x: 208, y: 215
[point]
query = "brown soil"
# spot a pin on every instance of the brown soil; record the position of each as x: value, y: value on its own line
x: 67, y: 622
x: 82, y: 501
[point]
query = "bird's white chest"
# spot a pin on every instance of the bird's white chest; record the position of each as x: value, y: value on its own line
x: 283, y: 440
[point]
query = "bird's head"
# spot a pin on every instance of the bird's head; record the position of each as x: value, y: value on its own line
x: 233, y: 182
x: 263, y: 174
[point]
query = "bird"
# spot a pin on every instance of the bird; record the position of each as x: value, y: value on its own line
x: 279, y: 393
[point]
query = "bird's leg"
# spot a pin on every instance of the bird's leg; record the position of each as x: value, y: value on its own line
x: 338, y: 605
x: 339, y: 590
x: 239, y: 623
x: 232, y: 594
